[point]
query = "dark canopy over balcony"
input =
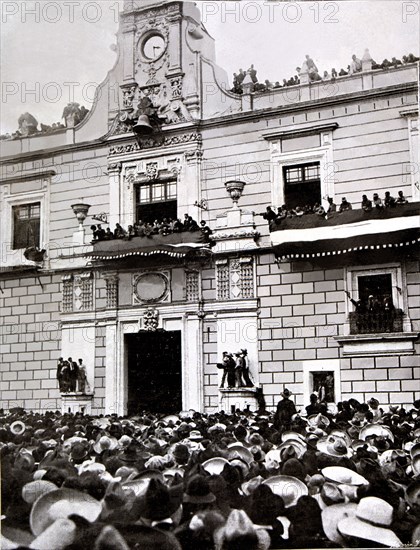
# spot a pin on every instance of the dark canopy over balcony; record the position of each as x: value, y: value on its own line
x: 175, y: 245
x: 311, y: 236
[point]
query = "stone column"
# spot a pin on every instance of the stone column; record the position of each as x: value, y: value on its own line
x: 189, y: 184
x: 192, y: 369
x: 113, y: 398
x: 114, y: 171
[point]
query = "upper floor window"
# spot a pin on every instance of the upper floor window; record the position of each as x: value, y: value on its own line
x: 377, y: 302
x: 26, y: 225
x: 302, y: 184
x: 156, y: 200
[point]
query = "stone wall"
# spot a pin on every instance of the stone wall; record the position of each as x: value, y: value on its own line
x: 30, y: 341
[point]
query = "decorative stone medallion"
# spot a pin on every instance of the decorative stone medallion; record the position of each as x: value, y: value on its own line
x: 151, y: 287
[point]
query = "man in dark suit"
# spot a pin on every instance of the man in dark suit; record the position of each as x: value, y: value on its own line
x: 285, y: 410
x: 74, y: 371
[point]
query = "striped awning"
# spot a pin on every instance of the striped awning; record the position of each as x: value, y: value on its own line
x: 312, y: 236
x: 175, y: 245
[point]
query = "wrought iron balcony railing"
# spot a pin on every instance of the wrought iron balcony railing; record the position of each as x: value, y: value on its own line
x: 376, y: 322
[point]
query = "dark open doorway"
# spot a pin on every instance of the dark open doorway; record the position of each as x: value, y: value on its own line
x: 154, y: 372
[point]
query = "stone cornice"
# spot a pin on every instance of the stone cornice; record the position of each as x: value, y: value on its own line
x: 298, y: 132
x: 299, y: 106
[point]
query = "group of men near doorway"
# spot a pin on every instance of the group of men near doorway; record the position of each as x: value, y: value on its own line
x: 235, y: 370
x: 71, y: 376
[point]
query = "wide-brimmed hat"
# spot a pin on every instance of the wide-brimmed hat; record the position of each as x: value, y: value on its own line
x: 263, y: 506
x: 34, y: 489
x: 334, y: 446
x: 343, y: 476
x: 159, y: 501
x: 198, y: 491
x: 376, y: 430
x: 330, y: 494
x: 214, y: 466
x: 105, y: 443
x: 371, y: 522
x: 140, y: 483
x: 60, y: 534
x: 239, y: 525
x: 80, y: 451
x: 248, y: 487
x: 195, y: 435
x: 61, y: 504
x: 318, y: 421
x: 290, y: 435
x: 17, y: 427
x: 343, y: 434
x: 286, y: 393
x: 242, y: 452
x: 91, y: 466
x: 332, y: 515
x: 288, y: 487
x: 415, y: 450
x: 298, y: 446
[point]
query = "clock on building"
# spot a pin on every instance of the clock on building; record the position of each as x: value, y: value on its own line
x: 153, y: 47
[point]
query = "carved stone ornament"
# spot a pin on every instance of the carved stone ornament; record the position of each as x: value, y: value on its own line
x: 151, y: 287
x: 128, y: 93
x: 176, y: 87
x: 151, y: 319
x: 152, y: 171
x: 148, y: 143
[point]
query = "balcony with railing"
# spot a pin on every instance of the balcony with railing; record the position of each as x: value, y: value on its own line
x: 376, y: 322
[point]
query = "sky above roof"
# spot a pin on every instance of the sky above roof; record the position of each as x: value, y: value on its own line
x: 54, y: 52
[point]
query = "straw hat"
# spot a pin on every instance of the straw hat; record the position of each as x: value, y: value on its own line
x: 34, y: 489
x: 371, y: 522
x: 60, y: 534
x: 318, y: 421
x: 214, y: 466
x: 334, y: 446
x: 288, y: 487
x: 290, y: 435
x: 248, y: 487
x: 296, y: 444
x: 236, y: 451
x: 330, y: 494
x: 61, y: 504
x: 17, y: 427
x: 332, y: 515
x: 345, y: 476
x: 195, y: 435
x: 376, y: 430
x: 105, y: 443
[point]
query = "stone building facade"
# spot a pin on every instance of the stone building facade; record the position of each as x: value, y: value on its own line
x: 151, y: 316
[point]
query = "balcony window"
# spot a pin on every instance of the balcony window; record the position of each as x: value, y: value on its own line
x: 26, y: 225
x: 156, y: 200
x: 302, y: 184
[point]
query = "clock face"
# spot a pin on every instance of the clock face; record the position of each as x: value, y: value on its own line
x: 153, y: 47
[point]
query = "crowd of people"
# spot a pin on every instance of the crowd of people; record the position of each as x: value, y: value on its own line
x: 355, y: 66
x: 165, y: 226
x: 274, y: 219
x: 244, y: 481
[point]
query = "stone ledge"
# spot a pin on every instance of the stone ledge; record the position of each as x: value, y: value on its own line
x: 373, y: 344
x: 239, y: 398
x: 76, y: 402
